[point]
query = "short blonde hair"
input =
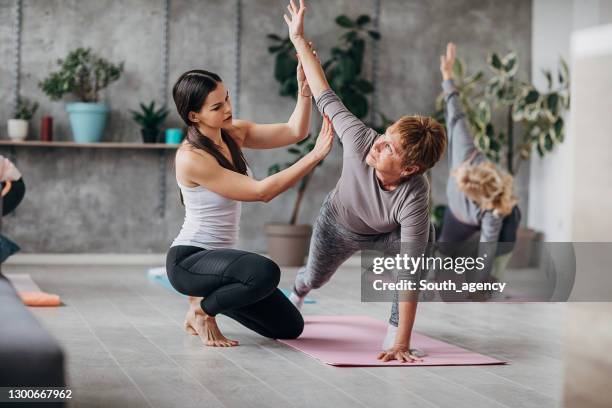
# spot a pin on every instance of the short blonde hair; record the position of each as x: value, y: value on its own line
x: 423, y: 141
x: 487, y: 186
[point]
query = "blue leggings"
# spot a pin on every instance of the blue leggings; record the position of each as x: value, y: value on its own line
x: 239, y: 284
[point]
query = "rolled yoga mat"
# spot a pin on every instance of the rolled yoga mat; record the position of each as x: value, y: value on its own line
x: 30, y: 293
x: 356, y: 341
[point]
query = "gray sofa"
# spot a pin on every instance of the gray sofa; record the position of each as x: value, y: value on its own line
x: 29, y: 355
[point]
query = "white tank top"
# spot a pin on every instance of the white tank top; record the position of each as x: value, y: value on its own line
x: 211, y: 221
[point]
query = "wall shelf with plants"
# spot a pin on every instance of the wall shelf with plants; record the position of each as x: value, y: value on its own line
x: 100, y: 145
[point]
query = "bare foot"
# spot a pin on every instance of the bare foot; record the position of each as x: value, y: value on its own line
x: 200, y: 324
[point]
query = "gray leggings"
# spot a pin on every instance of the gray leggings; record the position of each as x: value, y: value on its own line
x: 331, y: 245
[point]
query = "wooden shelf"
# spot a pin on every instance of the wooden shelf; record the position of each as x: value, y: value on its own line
x: 101, y: 145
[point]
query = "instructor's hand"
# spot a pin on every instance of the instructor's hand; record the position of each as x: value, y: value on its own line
x: 448, y: 61
x: 303, y: 87
x: 296, y: 21
x: 8, y: 171
x: 325, y: 140
x: 400, y: 353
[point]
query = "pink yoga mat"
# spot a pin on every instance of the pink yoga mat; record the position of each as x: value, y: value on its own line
x: 357, y: 340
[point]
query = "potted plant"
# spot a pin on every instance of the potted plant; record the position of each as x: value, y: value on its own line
x: 150, y: 121
x: 288, y: 243
x: 83, y: 74
x: 18, y: 126
x: 538, y: 113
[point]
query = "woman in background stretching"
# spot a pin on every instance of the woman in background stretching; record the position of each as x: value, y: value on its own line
x: 480, y: 198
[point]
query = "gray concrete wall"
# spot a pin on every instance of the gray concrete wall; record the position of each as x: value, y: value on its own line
x: 85, y: 200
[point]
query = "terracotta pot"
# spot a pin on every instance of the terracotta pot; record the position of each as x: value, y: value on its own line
x: 525, y: 252
x: 288, y: 244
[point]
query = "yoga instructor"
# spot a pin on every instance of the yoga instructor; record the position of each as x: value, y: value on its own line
x: 214, y: 179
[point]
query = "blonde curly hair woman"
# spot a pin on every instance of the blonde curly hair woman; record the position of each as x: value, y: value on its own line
x: 480, y: 196
x: 488, y: 186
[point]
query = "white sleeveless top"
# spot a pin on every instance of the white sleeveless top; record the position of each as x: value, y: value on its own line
x: 211, y: 221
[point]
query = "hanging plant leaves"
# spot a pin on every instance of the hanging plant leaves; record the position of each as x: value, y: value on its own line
x: 458, y: 68
x: 344, y: 21
x: 510, y: 64
x: 364, y: 86
x: 363, y: 20
x: 284, y: 66
x: 552, y: 102
x: 356, y: 103
x: 273, y: 169
x: 563, y: 72
x: 375, y: 35
x: 548, y: 76
x: 532, y: 96
x: 274, y: 37
x: 494, y: 62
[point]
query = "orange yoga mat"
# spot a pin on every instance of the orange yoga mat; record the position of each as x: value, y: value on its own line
x: 30, y: 293
x: 30, y: 298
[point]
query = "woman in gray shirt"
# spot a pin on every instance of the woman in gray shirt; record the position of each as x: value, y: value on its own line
x: 381, y: 198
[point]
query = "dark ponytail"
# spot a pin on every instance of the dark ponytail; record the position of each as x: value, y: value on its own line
x: 189, y: 93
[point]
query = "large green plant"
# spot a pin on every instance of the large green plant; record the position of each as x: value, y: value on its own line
x: 537, y: 113
x: 345, y: 68
x: 344, y: 71
x: 81, y: 73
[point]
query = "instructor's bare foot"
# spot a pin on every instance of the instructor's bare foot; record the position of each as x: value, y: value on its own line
x: 200, y: 324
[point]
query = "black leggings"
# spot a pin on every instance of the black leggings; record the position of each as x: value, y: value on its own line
x: 239, y: 284
x: 454, y: 230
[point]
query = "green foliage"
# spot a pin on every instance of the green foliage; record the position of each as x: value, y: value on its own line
x: 539, y: 113
x: 149, y: 117
x: 344, y: 72
x: 25, y: 109
x: 345, y: 68
x: 437, y: 216
x: 83, y: 74
x: 285, y: 65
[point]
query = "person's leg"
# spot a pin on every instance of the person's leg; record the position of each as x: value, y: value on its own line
x: 273, y: 316
x: 507, y: 234
x: 226, y: 278
x: 454, y: 230
x: 219, y: 280
x: 330, y: 246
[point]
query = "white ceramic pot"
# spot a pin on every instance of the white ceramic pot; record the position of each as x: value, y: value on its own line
x: 17, y: 129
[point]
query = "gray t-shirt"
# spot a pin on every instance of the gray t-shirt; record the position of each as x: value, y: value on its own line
x: 461, y: 148
x: 359, y: 202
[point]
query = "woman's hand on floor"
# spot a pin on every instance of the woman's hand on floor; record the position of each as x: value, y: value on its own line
x: 400, y: 353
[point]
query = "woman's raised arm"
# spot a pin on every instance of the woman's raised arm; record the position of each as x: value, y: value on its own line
x: 312, y: 67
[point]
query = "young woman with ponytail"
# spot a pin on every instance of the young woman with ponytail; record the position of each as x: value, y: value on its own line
x: 214, y: 179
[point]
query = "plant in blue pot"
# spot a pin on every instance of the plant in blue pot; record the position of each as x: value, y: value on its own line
x: 83, y: 74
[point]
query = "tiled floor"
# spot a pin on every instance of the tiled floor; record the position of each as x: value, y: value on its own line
x: 126, y: 348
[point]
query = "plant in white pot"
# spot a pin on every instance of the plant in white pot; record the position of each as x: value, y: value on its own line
x: 288, y: 243
x: 83, y: 74
x: 18, y: 126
